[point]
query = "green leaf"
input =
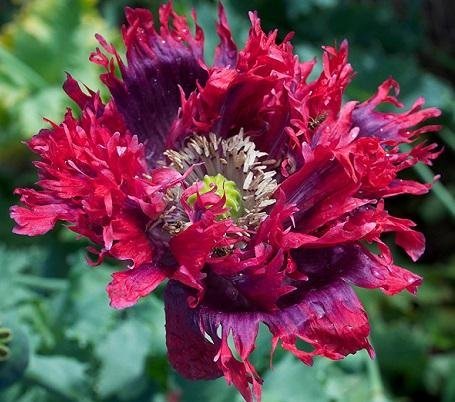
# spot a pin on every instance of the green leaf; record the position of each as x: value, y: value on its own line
x: 122, y: 356
x: 14, y: 264
x: 61, y: 374
x: 342, y: 387
x: 45, y: 39
x: 89, y: 315
x: 291, y: 381
x: 30, y: 393
x: 207, y: 391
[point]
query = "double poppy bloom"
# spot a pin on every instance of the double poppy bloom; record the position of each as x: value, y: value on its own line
x: 253, y: 191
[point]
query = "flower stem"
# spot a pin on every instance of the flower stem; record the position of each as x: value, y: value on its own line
x: 374, y: 375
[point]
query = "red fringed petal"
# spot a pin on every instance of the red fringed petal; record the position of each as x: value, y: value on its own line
x: 250, y: 95
x: 321, y: 184
x: 392, y: 127
x: 367, y: 270
x: 127, y: 238
x: 319, y: 101
x: 72, y: 88
x: 356, y: 265
x: 40, y: 213
x: 229, y: 101
x: 192, y: 248
x: 329, y: 318
x: 89, y: 170
x: 128, y: 286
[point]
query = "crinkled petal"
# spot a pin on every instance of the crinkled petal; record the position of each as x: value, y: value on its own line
x: 319, y: 185
x: 229, y: 101
x: 72, y: 88
x: 128, y: 286
x: 193, y: 246
x: 393, y: 127
x: 248, y: 280
x: 330, y: 318
x: 91, y: 172
x: 356, y: 265
x: 195, y: 349
x: 250, y: 95
x: 226, y: 51
x: 130, y: 239
x: 40, y: 213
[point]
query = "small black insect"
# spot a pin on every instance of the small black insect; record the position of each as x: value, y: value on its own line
x: 316, y: 121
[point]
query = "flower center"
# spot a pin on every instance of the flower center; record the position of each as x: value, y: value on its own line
x: 223, y: 188
x: 239, y: 171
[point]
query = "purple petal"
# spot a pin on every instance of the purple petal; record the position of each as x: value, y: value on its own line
x: 317, y: 183
x: 189, y: 352
x: 160, y: 62
x: 394, y: 127
x: 356, y: 265
x: 226, y: 51
x: 330, y: 318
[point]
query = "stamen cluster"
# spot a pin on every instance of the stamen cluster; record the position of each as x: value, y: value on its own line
x: 237, y: 159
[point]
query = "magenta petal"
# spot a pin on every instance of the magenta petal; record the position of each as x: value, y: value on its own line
x: 318, y: 181
x: 369, y: 271
x: 74, y: 91
x: 195, y: 357
x: 189, y: 352
x: 40, y: 214
x: 128, y: 286
x: 330, y: 319
x: 266, y: 284
x: 192, y: 247
x: 244, y: 329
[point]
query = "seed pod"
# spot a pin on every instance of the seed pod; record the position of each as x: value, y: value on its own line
x: 14, y: 356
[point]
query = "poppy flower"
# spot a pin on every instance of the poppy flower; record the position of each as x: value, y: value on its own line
x: 253, y: 191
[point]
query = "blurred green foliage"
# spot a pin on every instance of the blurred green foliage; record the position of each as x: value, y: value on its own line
x: 68, y: 345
